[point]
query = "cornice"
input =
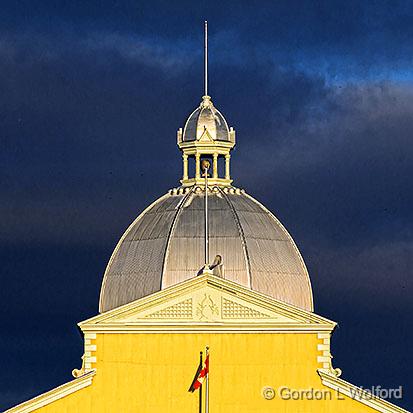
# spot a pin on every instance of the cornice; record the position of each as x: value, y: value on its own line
x: 53, y: 395
x: 264, y: 313
x: 343, y: 387
x: 207, y: 144
x: 206, y: 328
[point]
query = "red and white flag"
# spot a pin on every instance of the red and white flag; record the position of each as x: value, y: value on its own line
x: 200, y: 375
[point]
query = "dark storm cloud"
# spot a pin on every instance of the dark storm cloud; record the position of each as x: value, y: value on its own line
x: 78, y: 112
x: 341, y: 39
x: 82, y: 111
x: 335, y: 167
x: 352, y: 148
x: 382, y: 272
x: 91, y: 96
x: 76, y: 115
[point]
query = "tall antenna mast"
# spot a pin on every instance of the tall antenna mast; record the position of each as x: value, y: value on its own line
x: 206, y: 58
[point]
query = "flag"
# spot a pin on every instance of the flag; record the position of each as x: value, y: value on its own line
x: 200, y: 375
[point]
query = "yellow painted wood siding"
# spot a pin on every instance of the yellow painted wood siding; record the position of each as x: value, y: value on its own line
x: 152, y: 372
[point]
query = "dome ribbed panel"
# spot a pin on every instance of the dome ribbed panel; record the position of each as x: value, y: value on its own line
x: 209, y: 118
x: 135, y: 269
x: 207, y: 121
x: 186, y: 249
x: 191, y: 126
x: 165, y: 245
x: 277, y: 268
x: 221, y: 127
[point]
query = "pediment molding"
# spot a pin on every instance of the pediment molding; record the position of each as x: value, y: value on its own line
x: 207, y: 303
x: 182, y: 310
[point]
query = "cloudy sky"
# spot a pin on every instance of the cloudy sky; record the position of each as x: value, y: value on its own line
x: 91, y: 95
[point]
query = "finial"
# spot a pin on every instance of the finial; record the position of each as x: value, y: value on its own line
x: 206, y: 58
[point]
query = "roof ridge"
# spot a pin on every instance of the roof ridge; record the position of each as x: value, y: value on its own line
x: 242, y: 236
x: 179, y: 209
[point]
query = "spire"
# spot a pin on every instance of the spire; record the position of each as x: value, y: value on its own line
x: 206, y: 58
x: 206, y: 135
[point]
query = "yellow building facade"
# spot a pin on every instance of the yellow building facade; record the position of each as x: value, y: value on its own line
x: 162, y: 302
x: 265, y: 356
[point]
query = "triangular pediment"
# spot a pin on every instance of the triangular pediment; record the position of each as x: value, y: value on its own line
x: 207, y: 302
x: 206, y: 136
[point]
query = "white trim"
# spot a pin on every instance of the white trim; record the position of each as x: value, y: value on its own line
x: 350, y: 390
x: 306, y: 320
x: 90, y: 347
x: 206, y: 328
x: 53, y: 395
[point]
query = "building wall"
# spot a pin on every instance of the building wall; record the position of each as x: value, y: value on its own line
x: 152, y: 372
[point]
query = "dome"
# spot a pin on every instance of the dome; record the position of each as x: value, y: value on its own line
x: 165, y: 245
x: 206, y: 118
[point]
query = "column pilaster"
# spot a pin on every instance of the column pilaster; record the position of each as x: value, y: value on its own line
x: 227, y: 171
x: 197, y: 165
x: 215, y: 165
x: 185, y: 162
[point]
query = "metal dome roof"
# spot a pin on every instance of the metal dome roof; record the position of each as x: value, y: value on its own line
x: 165, y: 245
x: 206, y: 117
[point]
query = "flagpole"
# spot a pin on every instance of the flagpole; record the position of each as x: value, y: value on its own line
x: 200, y: 388
x: 205, y: 167
x: 206, y: 219
x: 207, y: 385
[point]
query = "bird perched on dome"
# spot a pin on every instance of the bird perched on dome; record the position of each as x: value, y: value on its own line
x: 217, y: 266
